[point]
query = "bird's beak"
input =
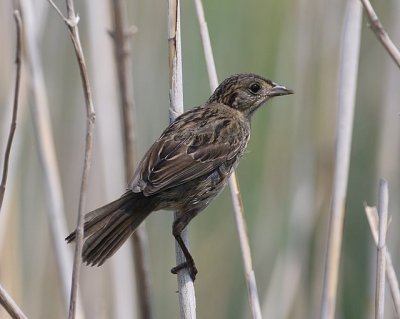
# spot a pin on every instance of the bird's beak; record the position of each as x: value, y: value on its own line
x: 279, y: 90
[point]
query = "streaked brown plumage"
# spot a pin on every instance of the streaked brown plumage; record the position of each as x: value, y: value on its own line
x: 184, y: 170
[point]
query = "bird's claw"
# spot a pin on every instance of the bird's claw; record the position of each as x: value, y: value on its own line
x: 190, y: 266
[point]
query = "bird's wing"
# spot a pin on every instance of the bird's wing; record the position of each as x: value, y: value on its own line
x: 185, y: 152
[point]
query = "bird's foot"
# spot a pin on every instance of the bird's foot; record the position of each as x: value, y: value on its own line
x: 190, y: 266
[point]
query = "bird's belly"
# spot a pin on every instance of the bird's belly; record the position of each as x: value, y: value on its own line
x: 196, y: 194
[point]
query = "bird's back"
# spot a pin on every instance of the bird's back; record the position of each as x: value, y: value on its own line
x: 193, y: 158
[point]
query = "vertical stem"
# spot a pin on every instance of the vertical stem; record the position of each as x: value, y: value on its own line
x: 187, y: 299
x: 205, y: 39
x: 72, y: 23
x: 391, y: 276
x: 5, y: 299
x: 347, y: 92
x: 46, y: 151
x: 13, y: 125
x: 233, y: 183
x: 245, y: 248
x: 122, y: 52
x: 381, y: 247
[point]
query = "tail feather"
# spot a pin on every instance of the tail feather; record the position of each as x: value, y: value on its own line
x: 99, y: 217
x: 108, y: 227
x: 113, y: 246
x: 96, y: 244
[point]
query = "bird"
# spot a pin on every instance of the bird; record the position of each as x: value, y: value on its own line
x: 184, y: 170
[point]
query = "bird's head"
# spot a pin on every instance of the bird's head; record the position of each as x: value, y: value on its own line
x: 246, y: 92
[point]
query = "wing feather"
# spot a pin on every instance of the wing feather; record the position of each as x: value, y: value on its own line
x: 185, y: 153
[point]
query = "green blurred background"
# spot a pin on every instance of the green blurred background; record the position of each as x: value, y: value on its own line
x: 285, y: 179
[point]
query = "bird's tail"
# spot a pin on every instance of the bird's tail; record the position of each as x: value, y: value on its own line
x: 108, y: 227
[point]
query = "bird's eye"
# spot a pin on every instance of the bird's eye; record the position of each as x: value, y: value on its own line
x: 254, y: 88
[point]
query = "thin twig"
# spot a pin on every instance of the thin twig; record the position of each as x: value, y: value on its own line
x: 72, y: 24
x: 187, y: 299
x: 233, y: 183
x: 5, y: 299
x: 381, y: 258
x: 46, y: 152
x: 245, y: 248
x: 13, y: 125
x: 380, y: 32
x: 205, y: 39
x: 90, y: 121
x: 10, y: 305
x: 350, y: 48
x: 122, y: 50
x: 373, y: 220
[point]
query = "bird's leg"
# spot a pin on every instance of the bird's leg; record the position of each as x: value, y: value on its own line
x: 179, y: 224
x: 189, y: 263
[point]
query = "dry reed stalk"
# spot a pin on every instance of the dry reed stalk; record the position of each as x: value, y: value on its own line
x: 109, y: 175
x: 348, y: 69
x: 380, y: 32
x: 46, y: 151
x: 187, y: 299
x: 233, y: 183
x: 383, y: 199
x: 122, y: 49
x: 72, y: 23
x: 13, y: 124
x: 10, y: 305
x: 373, y: 220
x: 5, y: 299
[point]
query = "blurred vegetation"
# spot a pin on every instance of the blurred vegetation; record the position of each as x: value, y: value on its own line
x: 285, y: 178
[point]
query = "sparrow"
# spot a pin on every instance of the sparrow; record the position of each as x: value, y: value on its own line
x: 184, y: 170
